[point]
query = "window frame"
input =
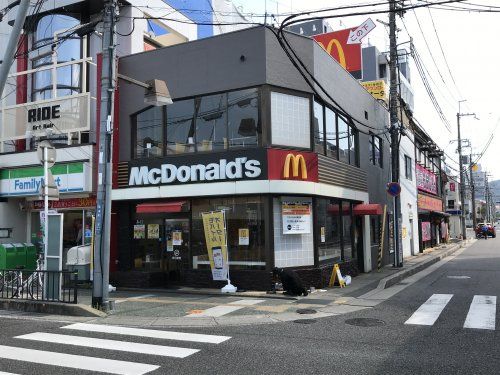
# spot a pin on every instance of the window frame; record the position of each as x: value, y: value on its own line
x: 408, y: 168
x: 133, y: 119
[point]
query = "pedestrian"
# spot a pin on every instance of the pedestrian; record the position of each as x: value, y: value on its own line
x: 484, y: 229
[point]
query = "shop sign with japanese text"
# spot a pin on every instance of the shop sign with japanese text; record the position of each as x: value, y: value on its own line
x: 296, y: 217
x: 426, y: 180
x: 214, y: 225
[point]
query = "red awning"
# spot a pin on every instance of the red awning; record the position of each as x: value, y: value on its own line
x: 153, y: 208
x: 367, y: 209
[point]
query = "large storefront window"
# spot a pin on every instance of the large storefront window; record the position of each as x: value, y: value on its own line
x: 243, y: 118
x: 319, y: 135
x: 149, y: 134
x: 241, y: 213
x: 211, y: 118
x: 347, y: 223
x: 328, y: 219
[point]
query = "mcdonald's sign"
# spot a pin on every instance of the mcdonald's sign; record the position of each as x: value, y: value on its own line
x: 348, y: 55
x: 292, y: 165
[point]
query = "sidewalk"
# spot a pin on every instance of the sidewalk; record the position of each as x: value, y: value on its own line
x: 191, y: 307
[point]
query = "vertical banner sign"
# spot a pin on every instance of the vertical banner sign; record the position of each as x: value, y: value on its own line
x: 214, y: 224
x: 391, y: 233
x: 426, y: 231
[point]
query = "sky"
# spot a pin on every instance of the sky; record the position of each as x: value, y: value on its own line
x: 465, y: 68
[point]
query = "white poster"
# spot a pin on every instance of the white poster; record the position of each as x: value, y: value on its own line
x: 243, y: 237
x: 296, y: 217
x: 177, y: 238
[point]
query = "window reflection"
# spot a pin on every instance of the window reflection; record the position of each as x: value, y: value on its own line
x: 211, y: 122
x: 243, y: 118
x: 329, y: 229
x: 331, y: 133
x: 319, y: 136
x: 346, y: 230
x: 343, y: 140
x: 149, y: 133
x: 180, y: 127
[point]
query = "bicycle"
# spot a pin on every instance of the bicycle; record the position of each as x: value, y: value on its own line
x: 16, y: 284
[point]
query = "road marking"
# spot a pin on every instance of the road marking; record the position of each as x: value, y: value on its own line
x: 151, y: 333
x: 218, y: 311
x: 482, y: 313
x: 79, y: 362
x: 458, y: 277
x: 429, y: 312
x: 122, y: 346
x: 6, y: 373
x: 133, y: 298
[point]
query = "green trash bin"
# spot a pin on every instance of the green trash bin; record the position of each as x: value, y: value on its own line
x: 3, y: 257
x: 10, y: 256
x: 20, y: 257
x: 31, y: 255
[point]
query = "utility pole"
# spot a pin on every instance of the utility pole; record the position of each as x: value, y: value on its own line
x: 11, y: 49
x: 461, y: 167
x: 472, y: 193
x: 393, y: 107
x: 103, y: 205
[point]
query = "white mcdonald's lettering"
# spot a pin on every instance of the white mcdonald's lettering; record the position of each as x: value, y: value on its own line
x: 168, y: 173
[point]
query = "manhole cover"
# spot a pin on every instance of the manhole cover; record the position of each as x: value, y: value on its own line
x: 305, y: 321
x: 365, y: 322
x: 306, y: 311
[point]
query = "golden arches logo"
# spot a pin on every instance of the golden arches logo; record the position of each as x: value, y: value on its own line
x: 297, y: 162
x: 340, y: 51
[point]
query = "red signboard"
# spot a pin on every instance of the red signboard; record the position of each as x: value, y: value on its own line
x: 292, y: 165
x: 426, y: 180
x: 335, y: 43
x: 429, y: 203
x: 452, y: 186
x: 71, y: 203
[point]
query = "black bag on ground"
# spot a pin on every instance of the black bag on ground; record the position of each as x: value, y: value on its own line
x: 292, y: 284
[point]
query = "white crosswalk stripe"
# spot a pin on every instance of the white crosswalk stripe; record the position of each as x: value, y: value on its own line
x: 429, y: 312
x: 151, y: 333
x: 6, y: 373
x: 221, y: 310
x: 122, y: 346
x: 482, y: 313
x: 79, y: 362
x: 97, y: 364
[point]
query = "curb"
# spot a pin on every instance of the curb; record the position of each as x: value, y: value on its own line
x: 52, y: 308
x: 399, y: 276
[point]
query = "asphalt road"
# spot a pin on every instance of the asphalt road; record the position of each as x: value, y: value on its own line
x: 379, y: 342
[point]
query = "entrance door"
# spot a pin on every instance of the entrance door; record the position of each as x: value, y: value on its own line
x: 176, y: 254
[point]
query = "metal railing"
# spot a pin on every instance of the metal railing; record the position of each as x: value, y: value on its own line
x: 38, y: 285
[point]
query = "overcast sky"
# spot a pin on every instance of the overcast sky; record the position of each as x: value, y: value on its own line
x: 469, y: 43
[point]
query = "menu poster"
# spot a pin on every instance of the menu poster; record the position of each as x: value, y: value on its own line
x: 153, y: 231
x: 139, y: 231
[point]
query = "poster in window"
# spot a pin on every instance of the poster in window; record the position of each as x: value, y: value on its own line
x: 153, y: 231
x: 177, y: 238
x: 244, y: 237
x: 426, y: 231
x: 296, y: 217
x: 139, y: 231
x: 323, y: 237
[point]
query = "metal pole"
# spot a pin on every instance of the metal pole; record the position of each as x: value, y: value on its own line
x: 11, y: 49
x: 462, y: 195
x: 473, y: 194
x: 103, y: 205
x: 393, y: 105
x: 45, y: 205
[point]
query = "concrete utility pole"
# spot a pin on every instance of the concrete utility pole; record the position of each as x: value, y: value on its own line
x: 103, y: 205
x: 393, y: 107
x: 11, y: 49
x: 461, y: 167
x: 472, y: 193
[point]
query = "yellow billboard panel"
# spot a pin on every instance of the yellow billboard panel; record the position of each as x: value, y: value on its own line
x: 378, y: 89
x: 215, y: 236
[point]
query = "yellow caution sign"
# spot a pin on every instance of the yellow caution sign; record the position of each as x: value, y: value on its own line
x: 336, y: 275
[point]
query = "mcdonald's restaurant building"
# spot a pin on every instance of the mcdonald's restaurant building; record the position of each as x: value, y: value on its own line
x: 248, y: 136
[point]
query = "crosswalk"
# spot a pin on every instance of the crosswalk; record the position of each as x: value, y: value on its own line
x: 481, y: 314
x: 73, y: 336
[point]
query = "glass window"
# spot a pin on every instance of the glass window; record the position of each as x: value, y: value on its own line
x: 331, y: 133
x: 290, y: 120
x: 376, y: 150
x: 329, y: 229
x: 408, y: 167
x: 211, y: 112
x: 353, y: 146
x: 149, y: 133
x: 180, y: 127
x: 241, y: 213
x: 343, y: 134
x: 319, y: 135
x: 243, y: 118
x: 347, y: 230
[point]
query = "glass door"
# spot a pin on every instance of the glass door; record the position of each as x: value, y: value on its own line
x: 176, y: 255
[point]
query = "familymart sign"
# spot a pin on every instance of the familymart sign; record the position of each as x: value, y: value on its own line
x: 69, y: 178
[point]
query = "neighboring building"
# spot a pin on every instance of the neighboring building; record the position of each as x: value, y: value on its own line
x: 454, y: 207
x: 224, y: 144
x: 53, y: 96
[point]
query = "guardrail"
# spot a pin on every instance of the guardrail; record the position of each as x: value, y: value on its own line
x: 46, y: 286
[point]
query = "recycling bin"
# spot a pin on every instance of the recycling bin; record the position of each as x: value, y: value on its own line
x: 10, y: 256
x: 31, y: 255
x: 20, y: 255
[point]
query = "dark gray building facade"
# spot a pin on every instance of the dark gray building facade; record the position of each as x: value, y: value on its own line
x: 301, y: 182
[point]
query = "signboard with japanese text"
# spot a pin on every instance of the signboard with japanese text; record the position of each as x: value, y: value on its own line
x: 377, y: 89
x: 214, y: 225
x: 426, y: 180
x: 70, y: 203
x: 426, y: 231
x: 429, y: 203
x: 296, y: 217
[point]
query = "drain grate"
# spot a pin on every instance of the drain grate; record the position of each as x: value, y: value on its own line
x: 365, y: 322
x: 305, y: 321
x: 306, y: 311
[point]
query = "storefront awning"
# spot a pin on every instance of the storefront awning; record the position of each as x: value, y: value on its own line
x: 165, y: 207
x: 367, y: 209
